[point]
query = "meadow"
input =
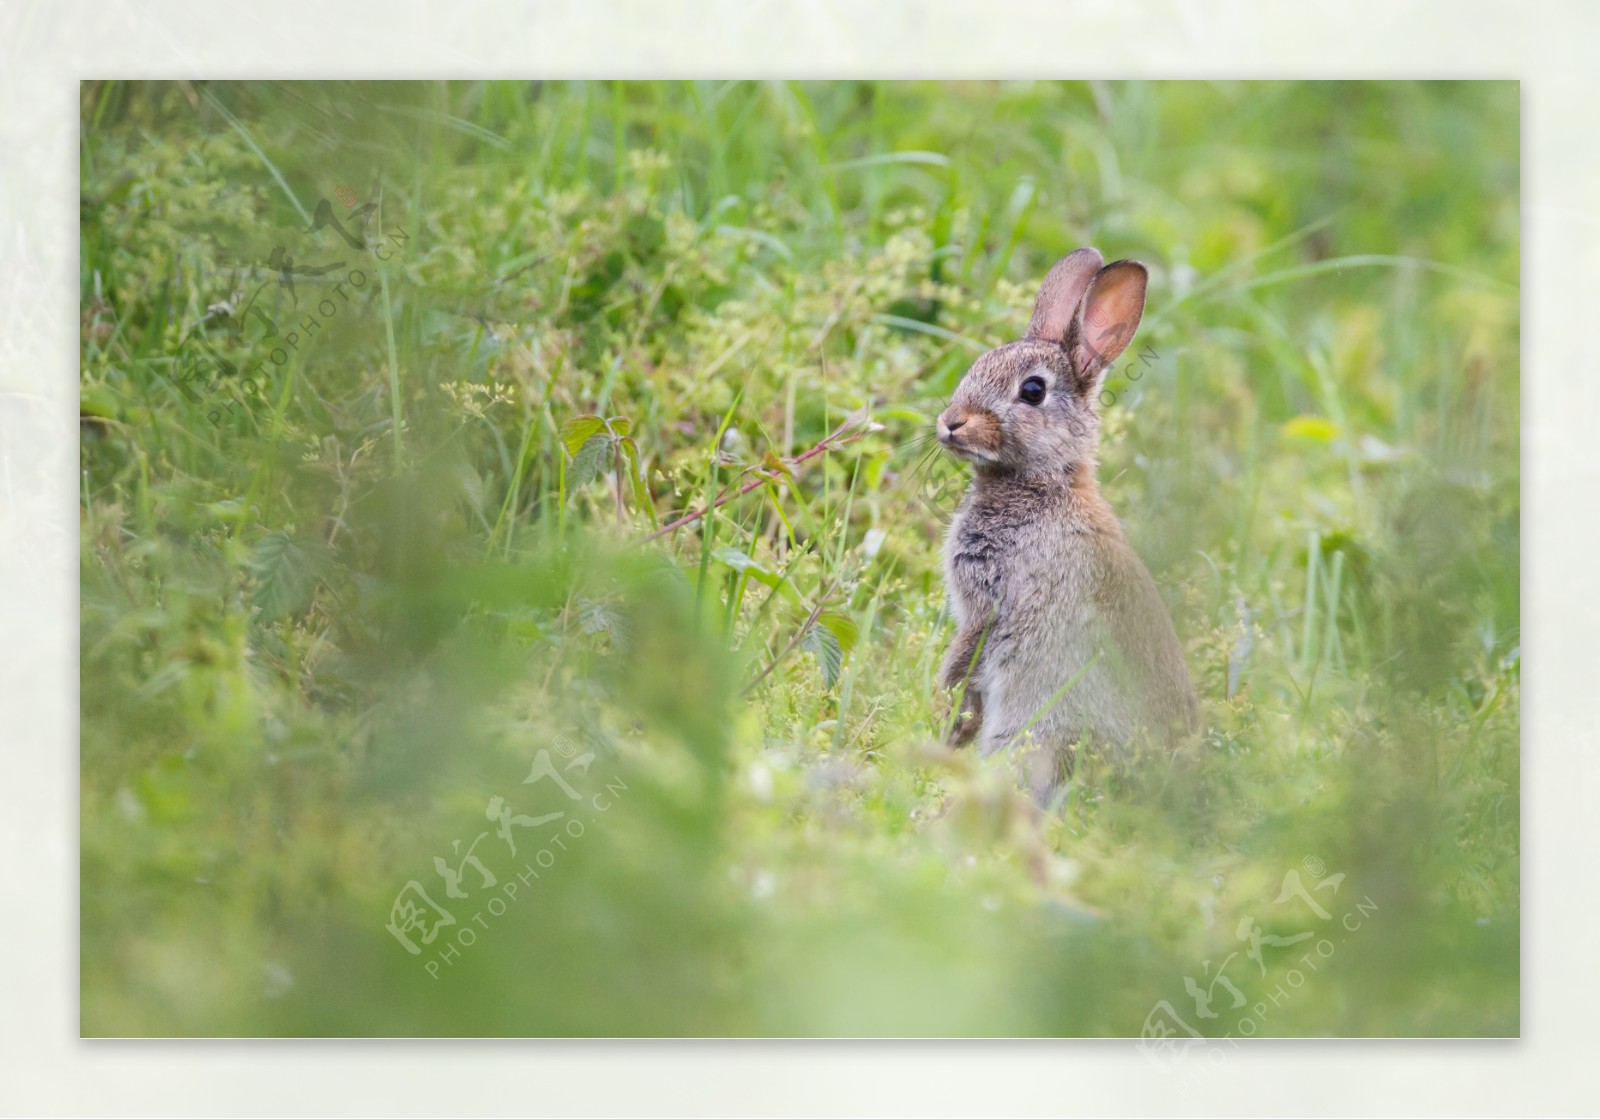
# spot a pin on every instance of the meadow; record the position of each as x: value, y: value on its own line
x: 510, y: 581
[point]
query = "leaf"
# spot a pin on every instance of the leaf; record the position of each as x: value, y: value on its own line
x: 619, y: 425
x: 1311, y: 427
x: 577, y: 431
x: 842, y: 627
x: 776, y: 465
x: 595, y: 617
x: 822, y: 643
x: 641, y: 492
x: 599, y: 616
x: 96, y: 400
x: 631, y: 450
x: 287, y: 570
x: 469, y: 481
x: 1374, y: 449
x: 589, y: 462
x: 936, y: 159
x: 734, y: 558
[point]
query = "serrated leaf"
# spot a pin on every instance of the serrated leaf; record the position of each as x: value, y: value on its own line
x: 589, y: 462
x: 821, y: 642
x: 619, y: 425
x: 577, y: 431
x: 286, y: 570
x: 843, y: 628
x: 599, y: 616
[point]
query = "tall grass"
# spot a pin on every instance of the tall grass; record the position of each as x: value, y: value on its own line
x: 341, y: 591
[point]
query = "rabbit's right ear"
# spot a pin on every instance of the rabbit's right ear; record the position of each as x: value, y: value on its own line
x: 1110, y: 314
x: 1061, y: 295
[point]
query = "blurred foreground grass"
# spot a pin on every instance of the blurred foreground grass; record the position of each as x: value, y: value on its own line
x: 385, y: 385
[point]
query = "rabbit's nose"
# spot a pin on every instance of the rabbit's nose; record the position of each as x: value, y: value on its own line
x: 955, y: 424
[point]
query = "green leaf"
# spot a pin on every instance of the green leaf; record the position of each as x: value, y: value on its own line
x: 96, y: 400
x: 842, y: 627
x: 287, y: 570
x: 936, y: 159
x: 1311, y: 427
x: 471, y: 484
x: 822, y: 643
x: 734, y: 558
x: 601, y: 616
x: 590, y: 461
x: 641, y: 492
x: 577, y: 431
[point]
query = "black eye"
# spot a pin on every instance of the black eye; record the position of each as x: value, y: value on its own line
x: 1032, y: 391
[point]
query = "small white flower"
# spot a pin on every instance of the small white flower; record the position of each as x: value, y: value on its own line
x: 764, y: 885
x: 761, y: 781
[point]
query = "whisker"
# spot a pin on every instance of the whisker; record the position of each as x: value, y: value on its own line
x: 916, y: 443
x: 916, y: 468
x: 925, y: 466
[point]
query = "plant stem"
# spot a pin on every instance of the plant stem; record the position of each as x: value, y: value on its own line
x: 761, y: 476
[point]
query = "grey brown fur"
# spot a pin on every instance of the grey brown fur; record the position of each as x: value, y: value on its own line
x: 1043, y: 585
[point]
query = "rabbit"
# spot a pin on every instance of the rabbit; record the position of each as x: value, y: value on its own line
x: 1061, y: 636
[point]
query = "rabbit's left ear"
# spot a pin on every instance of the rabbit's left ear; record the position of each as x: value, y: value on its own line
x: 1108, y: 317
x: 1061, y: 295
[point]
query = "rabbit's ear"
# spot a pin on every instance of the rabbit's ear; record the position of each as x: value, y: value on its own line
x: 1109, y: 315
x: 1061, y: 295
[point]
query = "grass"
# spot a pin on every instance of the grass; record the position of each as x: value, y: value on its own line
x: 342, y: 594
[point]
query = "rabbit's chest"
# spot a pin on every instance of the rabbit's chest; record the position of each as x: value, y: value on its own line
x: 992, y: 556
x: 1023, y: 578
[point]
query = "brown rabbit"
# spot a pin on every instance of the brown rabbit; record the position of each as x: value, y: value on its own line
x: 1060, y: 630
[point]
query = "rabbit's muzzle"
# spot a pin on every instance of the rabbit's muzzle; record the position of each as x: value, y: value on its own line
x: 969, y: 433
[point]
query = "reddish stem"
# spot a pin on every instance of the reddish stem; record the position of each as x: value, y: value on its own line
x: 761, y: 476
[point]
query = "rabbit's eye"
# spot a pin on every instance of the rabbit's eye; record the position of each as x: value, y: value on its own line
x: 1032, y: 391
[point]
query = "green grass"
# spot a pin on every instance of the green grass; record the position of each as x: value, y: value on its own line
x: 333, y: 604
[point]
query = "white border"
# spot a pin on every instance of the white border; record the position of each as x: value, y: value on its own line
x: 45, y: 47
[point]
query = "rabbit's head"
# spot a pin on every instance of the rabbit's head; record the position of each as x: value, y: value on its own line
x: 1028, y: 407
